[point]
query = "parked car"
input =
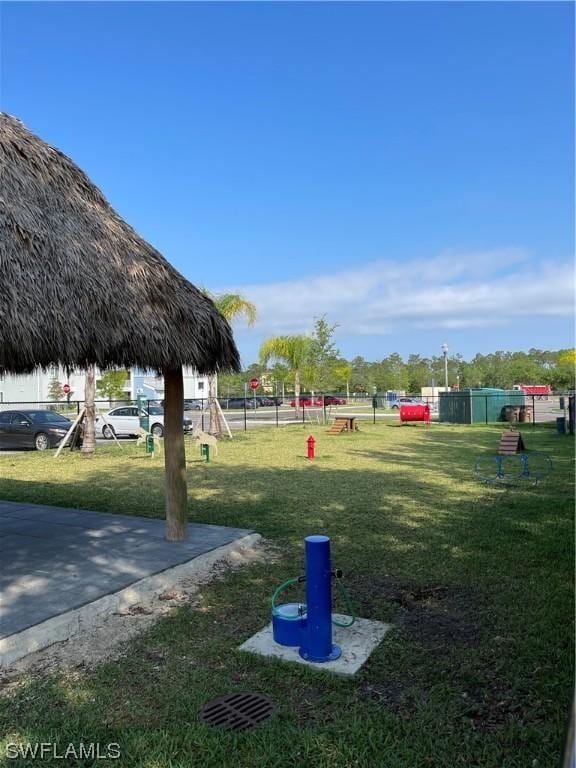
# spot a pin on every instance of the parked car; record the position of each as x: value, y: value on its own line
x: 318, y: 402
x: 37, y: 429
x: 238, y: 402
x: 265, y: 401
x: 304, y: 401
x: 406, y: 401
x: 194, y: 404
x: 125, y: 421
x: 190, y: 404
x: 333, y: 400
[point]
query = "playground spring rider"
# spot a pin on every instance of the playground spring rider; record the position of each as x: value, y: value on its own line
x: 309, y: 625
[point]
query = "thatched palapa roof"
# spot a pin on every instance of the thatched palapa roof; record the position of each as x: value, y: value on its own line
x: 78, y: 286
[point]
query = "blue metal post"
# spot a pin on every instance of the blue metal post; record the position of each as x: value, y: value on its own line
x: 317, y: 637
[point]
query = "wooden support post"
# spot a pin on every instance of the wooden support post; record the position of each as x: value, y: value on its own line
x: 222, y: 419
x: 175, y: 456
x: 77, y: 421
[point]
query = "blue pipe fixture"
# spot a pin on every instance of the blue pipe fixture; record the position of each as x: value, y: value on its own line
x: 309, y: 626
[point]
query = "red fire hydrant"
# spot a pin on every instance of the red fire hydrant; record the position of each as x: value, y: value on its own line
x: 311, y: 443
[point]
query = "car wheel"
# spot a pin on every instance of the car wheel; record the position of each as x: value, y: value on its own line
x: 107, y: 432
x: 41, y: 441
x: 157, y: 430
x: 394, y: 407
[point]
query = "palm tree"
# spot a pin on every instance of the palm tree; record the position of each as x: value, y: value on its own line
x: 291, y: 350
x: 231, y: 306
x: 343, y: 373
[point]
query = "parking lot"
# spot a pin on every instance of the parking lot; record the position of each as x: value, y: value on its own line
x: 540, y: 411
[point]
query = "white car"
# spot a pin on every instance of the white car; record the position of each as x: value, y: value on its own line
x: 406, y: 401
x: 126, y: 421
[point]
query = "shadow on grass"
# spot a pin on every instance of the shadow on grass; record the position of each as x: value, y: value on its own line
x: 412, y: 525
x: 477, y: 581
x: 416, y: 500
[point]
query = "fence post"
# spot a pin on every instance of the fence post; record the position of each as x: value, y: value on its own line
x: 245, y: 424
x: 303, y: 419
x: 533, y: 410
x: 77, y: 407
x: 486, y: 405
x: 276, y: 406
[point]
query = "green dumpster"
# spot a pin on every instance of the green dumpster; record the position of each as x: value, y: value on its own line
x: 480, y: 406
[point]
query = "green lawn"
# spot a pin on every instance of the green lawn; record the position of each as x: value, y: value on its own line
x: 476, y: 580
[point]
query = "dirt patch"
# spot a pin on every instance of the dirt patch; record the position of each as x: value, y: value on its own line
x: 436, y: 630
x: 369, y: 591
x: 440, y: 619
x: 432, y: 615
x: 108, y: 635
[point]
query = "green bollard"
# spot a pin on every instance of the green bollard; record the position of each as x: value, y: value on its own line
x: 205, y: 451
x: 149, y: 443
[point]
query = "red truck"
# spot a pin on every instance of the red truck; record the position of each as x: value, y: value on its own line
x: 541, y: 391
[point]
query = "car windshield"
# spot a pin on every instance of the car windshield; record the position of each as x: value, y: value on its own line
x: 46, y: 417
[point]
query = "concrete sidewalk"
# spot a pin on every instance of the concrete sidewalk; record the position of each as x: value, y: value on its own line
x: 55, y: 560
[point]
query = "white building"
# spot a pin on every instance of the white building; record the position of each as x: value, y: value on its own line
x: 33, y: 389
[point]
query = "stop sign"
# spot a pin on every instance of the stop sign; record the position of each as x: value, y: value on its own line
x: 254, y: 383
x: 66, y: 389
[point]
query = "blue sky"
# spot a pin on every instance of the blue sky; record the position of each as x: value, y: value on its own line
x: 406, y: 169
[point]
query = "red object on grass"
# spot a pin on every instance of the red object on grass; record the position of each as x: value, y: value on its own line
x: 415, y: 413
x: 311, y: 443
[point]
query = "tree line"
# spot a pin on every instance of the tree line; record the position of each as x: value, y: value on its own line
x: 313, y: 363
x: 321, y: 368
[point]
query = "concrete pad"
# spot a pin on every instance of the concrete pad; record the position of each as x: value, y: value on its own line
x: 61, y: 567
x: 357, y: 643
x: 63, y: 625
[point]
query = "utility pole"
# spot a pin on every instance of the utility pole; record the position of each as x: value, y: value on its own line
x: 445, y: 353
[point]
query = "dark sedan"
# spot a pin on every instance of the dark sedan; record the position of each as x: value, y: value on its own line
x: 332, y: 400
x: 265, y: 401
x: 32, y: 429
x: 238, y: 402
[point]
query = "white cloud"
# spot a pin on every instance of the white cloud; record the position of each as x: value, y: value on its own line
x: 452, y: 290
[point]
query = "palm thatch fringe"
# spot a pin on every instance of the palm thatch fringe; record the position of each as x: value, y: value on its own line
x: 79, y: 287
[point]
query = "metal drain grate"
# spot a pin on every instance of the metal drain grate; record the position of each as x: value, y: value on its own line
x: 237, y: 711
